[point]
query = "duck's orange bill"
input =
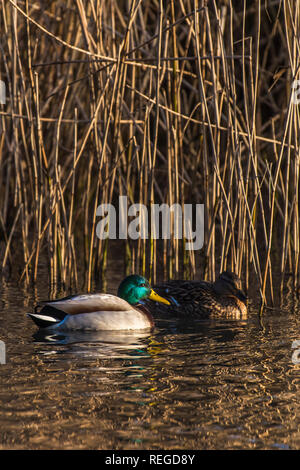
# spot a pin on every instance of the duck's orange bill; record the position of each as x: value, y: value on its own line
x: 157, y: 298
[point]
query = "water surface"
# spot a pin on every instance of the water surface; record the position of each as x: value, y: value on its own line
x: 216, y: 384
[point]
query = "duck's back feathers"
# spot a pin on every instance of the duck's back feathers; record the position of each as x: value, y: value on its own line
x: 184, y: 291
x: 191, y: 298
x: 204, y: 299
x: 85, y: 303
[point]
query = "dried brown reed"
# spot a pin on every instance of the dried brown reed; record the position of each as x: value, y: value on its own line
x: 165, y: 102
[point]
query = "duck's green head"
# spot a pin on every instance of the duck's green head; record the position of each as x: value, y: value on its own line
x: 135, y: 288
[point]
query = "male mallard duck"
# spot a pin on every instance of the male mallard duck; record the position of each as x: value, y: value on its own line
x: 225, y: 297
x: 100, y: 311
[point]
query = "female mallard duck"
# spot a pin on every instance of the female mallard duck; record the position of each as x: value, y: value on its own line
x: 100, y: 311
x: 225, y: 297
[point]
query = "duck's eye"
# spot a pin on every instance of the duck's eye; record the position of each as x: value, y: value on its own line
x: 143, y: 285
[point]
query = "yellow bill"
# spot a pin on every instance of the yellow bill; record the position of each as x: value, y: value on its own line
x: 157, y: 298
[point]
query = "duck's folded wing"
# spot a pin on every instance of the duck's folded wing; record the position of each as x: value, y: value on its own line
x: 85, y: 303
x: 180, y: 292
x: 52, y: 312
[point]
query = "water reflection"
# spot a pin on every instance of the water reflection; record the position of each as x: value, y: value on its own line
x: 214, y: 384
x: 115, y: 338
x: 96, y: 343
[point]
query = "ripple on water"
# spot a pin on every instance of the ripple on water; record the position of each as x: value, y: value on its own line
x: 208, y: 385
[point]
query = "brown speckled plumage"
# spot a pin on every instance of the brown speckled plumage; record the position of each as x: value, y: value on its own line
x: 224, y: 297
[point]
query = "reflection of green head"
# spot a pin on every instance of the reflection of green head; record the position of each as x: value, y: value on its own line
x: 135, y: 288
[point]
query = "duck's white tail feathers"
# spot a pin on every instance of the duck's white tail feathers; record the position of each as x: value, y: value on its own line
x: 48, y: 316
x: 43, y: 321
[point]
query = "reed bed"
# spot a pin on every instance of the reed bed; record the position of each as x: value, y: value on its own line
x: 163, y: 102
